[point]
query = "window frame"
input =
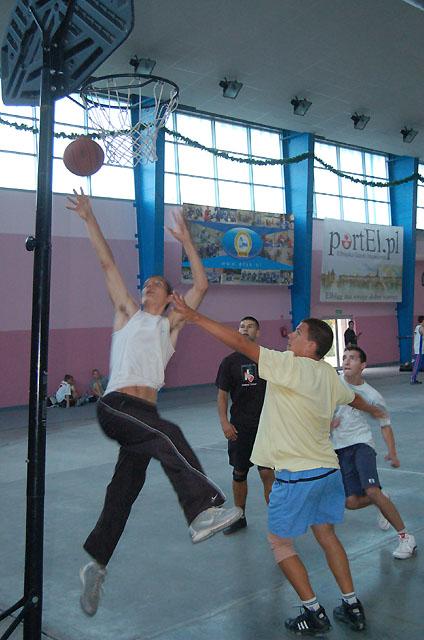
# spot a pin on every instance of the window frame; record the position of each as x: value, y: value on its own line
x: 342, y: 199
x: 228, y: 181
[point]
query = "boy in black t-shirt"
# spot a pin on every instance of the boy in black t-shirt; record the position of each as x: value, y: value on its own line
x: 238, y: 378
x: 350, y: 337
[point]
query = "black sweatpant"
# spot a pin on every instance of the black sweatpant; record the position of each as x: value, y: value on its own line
x: 143, y: 434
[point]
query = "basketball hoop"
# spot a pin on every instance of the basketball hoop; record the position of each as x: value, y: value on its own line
x: 127, y: 110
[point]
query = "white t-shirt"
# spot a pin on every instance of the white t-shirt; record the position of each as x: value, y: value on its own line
x: 63, y: 391
x: 355, y: 426
x: 418, y: 339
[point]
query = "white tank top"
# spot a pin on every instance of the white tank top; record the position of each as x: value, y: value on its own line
x: 140, y: 352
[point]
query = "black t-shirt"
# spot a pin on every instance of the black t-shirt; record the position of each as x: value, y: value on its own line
x: 350, y: 337
x: 238, y: 376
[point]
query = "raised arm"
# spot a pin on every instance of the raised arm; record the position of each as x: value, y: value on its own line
x: 228, y: 336
x: 195, y: 294
x: 124, y: 304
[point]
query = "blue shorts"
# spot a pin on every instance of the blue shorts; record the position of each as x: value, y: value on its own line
x: 358, y: 464
x: 310, y: 497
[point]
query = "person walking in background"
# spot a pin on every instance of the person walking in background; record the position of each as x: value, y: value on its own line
x: 238, y: 378
x: 293, y: 438
x: 350, y: 337
x: 354, y: 444
x: 142, y: 344
x: 418, y: 350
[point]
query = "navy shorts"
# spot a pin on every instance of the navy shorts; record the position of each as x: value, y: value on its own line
x: 358, y: 464
x: 300, y: 499
x: 240, y: 450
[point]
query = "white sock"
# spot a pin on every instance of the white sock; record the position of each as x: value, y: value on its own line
x: 312, y: 604
x: 350, y: 598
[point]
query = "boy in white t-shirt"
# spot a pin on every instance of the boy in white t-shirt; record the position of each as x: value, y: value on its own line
x: 66, y: 395
x: 354, y: 444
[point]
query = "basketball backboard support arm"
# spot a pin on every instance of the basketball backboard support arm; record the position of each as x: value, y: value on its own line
x: 49, y: 49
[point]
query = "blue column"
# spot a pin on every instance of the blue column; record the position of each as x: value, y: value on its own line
x: 403, y: 200
x: 149, y: 204
x: 299, y: 181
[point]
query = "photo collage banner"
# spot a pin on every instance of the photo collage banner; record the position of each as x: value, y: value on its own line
x: 241, y: 247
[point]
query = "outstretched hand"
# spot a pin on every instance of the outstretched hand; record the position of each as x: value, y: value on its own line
x: 182, y: 308
x: 180, y: 230
x: 394, y: 460
x: 80, y: 203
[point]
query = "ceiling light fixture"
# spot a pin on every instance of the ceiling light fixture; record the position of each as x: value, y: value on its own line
x: 360, y: 121
x: 230, y: 88
x: 300, y: 106
x: 408, y: 134
x: 142, y: 65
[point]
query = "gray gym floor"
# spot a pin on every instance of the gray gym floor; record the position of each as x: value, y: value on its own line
x: 161, y: 586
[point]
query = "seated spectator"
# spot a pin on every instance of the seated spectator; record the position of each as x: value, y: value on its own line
x: 66, y: 395
x: 98, y: 383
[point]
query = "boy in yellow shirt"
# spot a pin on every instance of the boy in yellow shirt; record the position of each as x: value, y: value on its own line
x: 293, y: 438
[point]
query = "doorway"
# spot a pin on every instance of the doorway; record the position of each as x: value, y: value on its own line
x: 335, y: 355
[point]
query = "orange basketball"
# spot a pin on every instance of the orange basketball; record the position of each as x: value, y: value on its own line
x: 83, y: 156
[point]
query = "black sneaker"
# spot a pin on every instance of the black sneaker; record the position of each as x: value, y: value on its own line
x: 236, y: 526
x: 351, y: 614
x: 309, y: 623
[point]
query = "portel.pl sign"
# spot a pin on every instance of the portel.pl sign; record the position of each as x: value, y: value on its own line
x: 361, y: 262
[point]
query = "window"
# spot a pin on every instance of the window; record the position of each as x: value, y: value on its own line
x: 343, y: 199
x: 200, y: 177
x: 18, y: 154
x: 420, y: 199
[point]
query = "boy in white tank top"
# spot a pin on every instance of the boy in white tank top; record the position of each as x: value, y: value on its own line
x: 142, y: 344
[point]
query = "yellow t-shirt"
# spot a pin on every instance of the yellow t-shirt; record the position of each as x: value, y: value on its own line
x: 300, y: 399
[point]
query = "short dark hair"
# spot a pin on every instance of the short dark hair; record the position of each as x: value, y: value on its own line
x: 321, y: 333
x: 67, y: 377
x: 350, y: 322
x: 252, y: 319
x: 362, y: 354
x: 420, y: 319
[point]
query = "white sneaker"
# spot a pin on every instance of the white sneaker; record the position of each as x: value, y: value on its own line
x: 382, y: 521
x: 212, y: 520
x: 406, y: 548
x: 92, y: 578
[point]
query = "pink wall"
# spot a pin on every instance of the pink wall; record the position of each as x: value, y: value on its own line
x: 81, y: 313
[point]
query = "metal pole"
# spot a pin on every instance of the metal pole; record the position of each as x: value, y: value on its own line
x: 33, y: 587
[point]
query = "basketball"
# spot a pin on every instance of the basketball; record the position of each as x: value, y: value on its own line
x: 83, y: 156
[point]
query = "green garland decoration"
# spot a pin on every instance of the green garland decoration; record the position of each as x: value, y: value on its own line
x: 230, y: 156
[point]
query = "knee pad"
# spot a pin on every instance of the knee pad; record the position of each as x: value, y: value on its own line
x: 282, y: 548
x: 239, y: 476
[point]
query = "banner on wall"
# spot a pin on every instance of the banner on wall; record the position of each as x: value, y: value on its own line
x: 241, y: 247
x: 361, y: 262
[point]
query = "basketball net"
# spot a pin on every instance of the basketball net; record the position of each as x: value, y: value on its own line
x: 128, y: 120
